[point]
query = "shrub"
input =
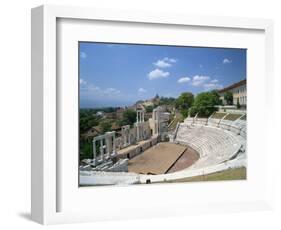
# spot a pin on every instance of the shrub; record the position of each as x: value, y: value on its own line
x: 192, y: 111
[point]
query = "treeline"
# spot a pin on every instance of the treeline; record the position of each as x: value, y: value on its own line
x: 203, y: 104
x: 89, y: 118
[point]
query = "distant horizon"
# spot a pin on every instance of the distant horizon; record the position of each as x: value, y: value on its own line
x: 118, y: 75
x: 116, y: 106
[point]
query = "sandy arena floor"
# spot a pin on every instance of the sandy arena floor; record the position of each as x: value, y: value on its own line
x: 157, y: 159
x: 188, y: 158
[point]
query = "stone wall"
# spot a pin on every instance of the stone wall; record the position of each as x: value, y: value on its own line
x: 135, y: 150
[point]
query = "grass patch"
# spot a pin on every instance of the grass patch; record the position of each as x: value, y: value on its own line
x: 218, y: 115
x: 230, y: 174
x: 232, y: 116
x: 244, y: 118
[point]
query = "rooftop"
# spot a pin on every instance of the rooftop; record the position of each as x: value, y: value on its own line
x: 235, y: 85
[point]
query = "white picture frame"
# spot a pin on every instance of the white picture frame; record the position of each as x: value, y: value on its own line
x: 47, y: 183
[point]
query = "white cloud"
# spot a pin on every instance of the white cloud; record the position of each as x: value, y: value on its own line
x: 165, y: 62
x: 202, y: 81
x: 157, y: 73
x: 206, y: 82
x: 142, y: 90
x: 94, y: 90
x: 170, y: 60
x: 214, y: 81
x: 211, y: 86
x: 82, y: 82
x: 184, y: 80
x: 83, y: 55
x: 162, y: 64
x: 111, y: 91
x: 226, y: 61
x: 199, y: 80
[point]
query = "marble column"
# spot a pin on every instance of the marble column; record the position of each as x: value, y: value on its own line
x: 138, y: 137
x: 129, y: 136
x: 107, y: 141
x: 124, y: 137
x: 101, y: 150
x: 113, y: 146
x: 94, y: 152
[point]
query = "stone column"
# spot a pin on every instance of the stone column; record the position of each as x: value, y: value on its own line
x: 108, y: 149
x: 158, y: 127
x: 138, y: 137
x: 156, y: 115
x: 114, y: 146
x: 129, y: 136
x: 125, y: 138
x: 122, y: 133
x: 101, y: 150
x: 94, y: 152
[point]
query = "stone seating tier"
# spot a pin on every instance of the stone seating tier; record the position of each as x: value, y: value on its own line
x: 213, y: 144
x: 237, y: 127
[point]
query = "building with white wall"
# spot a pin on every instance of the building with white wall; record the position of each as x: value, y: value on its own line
x: 239, y: 92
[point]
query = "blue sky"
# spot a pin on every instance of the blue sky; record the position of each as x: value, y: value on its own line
x: 121, y: 74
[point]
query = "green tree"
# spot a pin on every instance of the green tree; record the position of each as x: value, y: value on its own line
x: 105, y: 126
x: 184, y: 102
x: 228, y: 97
x: 149, y: 108
x: 88, y: 119
x: 238, y: 104
x: 166, y: 100
x: 205, y: 103
x: 129, y: 117
x: 86, y: 149
x: 217, y: 99
x: 192, y: 111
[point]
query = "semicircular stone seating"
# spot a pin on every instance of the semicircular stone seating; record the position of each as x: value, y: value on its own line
x: 214, y: 145
x: 238, y: 127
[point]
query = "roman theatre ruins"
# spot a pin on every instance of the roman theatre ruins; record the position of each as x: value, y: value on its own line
x: 149, y: 153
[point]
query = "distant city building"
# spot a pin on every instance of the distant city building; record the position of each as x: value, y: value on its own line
x: 148, y: 103
x: 239, y: 92
x: 100, y: 113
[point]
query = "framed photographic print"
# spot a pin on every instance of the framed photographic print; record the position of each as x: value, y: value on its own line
x: 150, y: 128
x: 139, y: 114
